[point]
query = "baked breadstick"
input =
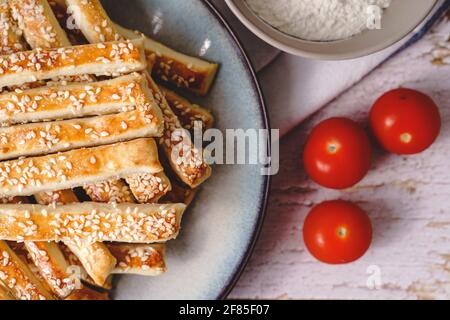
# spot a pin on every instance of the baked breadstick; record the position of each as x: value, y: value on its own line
x: 10, y: 35
x: 149, y: 188
x: 52, y: 266
x: 63, y: 14
x: 91, y: 222
x: 41, y: 64
x: 93, y: 21
x: 95, y: 258
x: 74, y: 261
x: 180, y: 194
x: 187, y: 112
x: 36, y: 19
x: 185, y: 159
x: 44, y: 138
x: 182, y: 70
x: 77, y: 100
x: 18, y: 277
x: 78, y: 167
x: 112, y: 191
x: 142, y: 259
x: 46, y: 260
x: 76, y: 275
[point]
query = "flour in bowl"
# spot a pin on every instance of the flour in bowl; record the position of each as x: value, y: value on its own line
x: 319, y: 20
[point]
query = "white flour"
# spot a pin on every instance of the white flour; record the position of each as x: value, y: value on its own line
x: 319, y: 20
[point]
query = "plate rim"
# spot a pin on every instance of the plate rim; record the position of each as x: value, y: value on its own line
x: 238, y: 270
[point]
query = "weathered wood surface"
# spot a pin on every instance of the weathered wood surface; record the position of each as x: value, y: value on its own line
x: 408, y: 199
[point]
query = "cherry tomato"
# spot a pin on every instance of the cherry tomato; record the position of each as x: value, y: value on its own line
x: 337, y: 154
x: 337, y: 232
x: 405, y: 121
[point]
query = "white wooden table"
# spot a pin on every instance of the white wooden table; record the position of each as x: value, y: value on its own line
x: 408, y: 199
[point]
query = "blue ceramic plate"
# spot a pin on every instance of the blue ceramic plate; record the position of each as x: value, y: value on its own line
x: 220, y: 229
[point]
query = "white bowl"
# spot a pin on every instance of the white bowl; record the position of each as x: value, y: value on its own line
x: 399, y: 20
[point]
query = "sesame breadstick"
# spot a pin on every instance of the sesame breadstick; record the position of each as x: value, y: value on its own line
x: 143, y: 259
x: 112, y: 191
x: 76, y: 168
x: 95, y: 258
x: 10, y: 36
x: 17, y: 276
x: 188, y: 113
x: 42, y: 64
x: 76, y: 100
x: 149, y: 188
x: 36, y: 19
x: 50, y: 137
x: 91, y: 222
x: 47, y: 258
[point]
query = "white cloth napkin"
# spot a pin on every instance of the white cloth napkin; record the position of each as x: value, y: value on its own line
x: 296, y: 87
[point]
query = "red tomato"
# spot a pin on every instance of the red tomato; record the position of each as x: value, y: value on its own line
x: 337, y: 232
x: 405, y: 121
x: 337, y: 154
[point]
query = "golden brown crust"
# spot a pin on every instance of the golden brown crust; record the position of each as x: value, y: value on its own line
x: 141, y: 259
x: 187, y: 112
x: 46, y: 261
x: 39, y: 24
x: 5, y: 294
x: 10, y: 35
x: 95, y: 258
x: 185, y: 159
x: 42, y: 64
x: 180, y: 194
x: 78, y: 167
x: 75, y: 261
x: 64, y: 17
x: 77, y: 100
x: 44, y: 138
x: 16, y: 276
x: 183, y: 71
x: 56, y: 197
x: 87, y: 294
x: 52, y: 266
x: 149, y: 188
x: 93, y: 21
x: 112, y: 191
x: 91, y: 222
